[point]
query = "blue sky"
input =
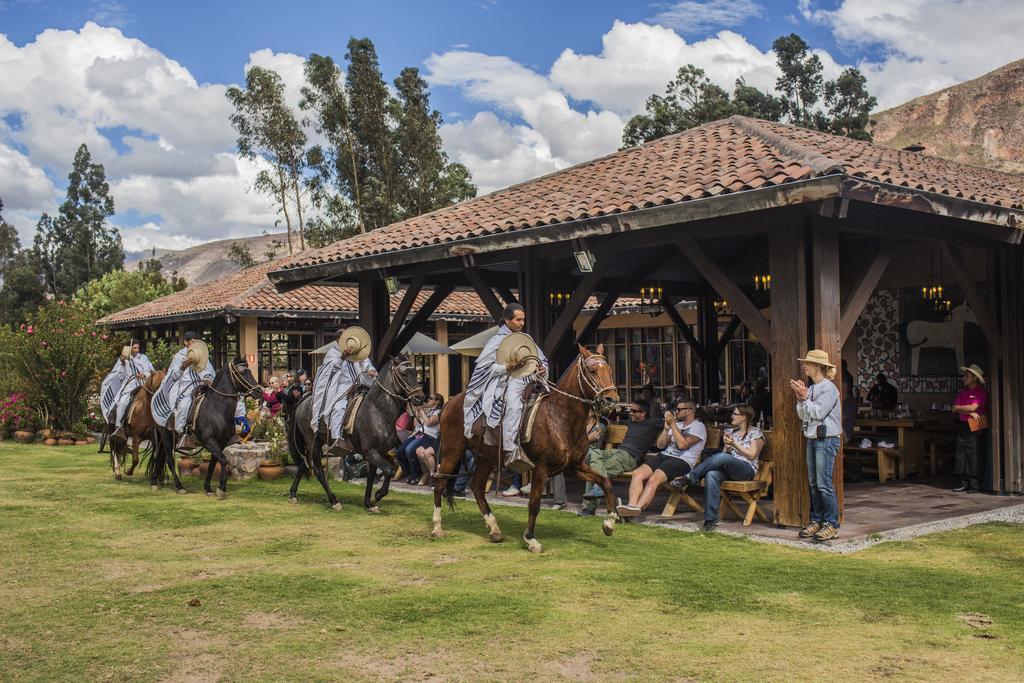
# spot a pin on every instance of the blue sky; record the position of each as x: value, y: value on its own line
x: 526, y: 87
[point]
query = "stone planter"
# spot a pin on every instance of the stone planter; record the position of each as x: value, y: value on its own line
x: 269, y: 470
x: 244, y: 459
x: 24, y: 436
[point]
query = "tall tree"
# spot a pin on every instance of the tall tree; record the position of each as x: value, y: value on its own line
x: 240, y: 254
x: 801, y: 81
x: 10, y: 245
x: 20, y: 287
x: 79, y: 244
x: 426, y: 179
x: 268, y: 129
x: 370, y: 103
x: 690, y: 99
x: 849, y: 105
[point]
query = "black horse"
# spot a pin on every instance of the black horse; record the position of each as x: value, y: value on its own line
x: 373, y: 431
x: 214, y: 426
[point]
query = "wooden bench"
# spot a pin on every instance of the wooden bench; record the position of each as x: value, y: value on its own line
x: 749, y: 492
x: 891, y: 462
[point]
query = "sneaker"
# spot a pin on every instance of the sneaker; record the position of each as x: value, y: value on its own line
x: 680, y: 483
x: 558, y: 506
x: 628, y: 510
x: 826, y: 533
x: 964, y: 486
x: 809, y: 530
x: 710, y: 525
x: 511, y: 492
x: 525, y: 490
x: 587, y: 512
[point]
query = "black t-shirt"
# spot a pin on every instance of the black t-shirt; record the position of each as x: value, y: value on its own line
x: 640, y: 436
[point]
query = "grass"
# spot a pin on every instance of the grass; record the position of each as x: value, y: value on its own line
x: 96, y: 577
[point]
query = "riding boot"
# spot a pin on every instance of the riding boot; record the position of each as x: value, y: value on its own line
x: 340, y: 448
x: 517, y: 461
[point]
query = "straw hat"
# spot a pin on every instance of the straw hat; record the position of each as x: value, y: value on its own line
x: 974, y: 370
x: 126, y: 352
x: 356, y: 341
x: 518, y: 346
x: 817, y: 356
x: 198, y: 354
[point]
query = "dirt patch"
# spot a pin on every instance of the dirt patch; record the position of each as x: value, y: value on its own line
x: 975, y: 619
x: 199, y: 669
x: 380, y: 667
x: 272, y: 621
x: 149, y: 588
x: 344, y: 565
x: 445, y: 559
x: 577, y: 667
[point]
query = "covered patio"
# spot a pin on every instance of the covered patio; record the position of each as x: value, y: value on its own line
x: 782, y: 232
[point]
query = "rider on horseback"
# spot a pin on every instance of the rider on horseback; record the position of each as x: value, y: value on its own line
x: 346, y: 366
x: 128, y: 374
x: 175, y: 394
x: 492, y: 392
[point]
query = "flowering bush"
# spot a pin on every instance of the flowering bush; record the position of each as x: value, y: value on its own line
x: 59, y: 356
x: 16, y: 413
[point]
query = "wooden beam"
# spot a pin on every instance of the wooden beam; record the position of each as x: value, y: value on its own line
x: 507, y: 295
x: 986, y: 318
x: 726, y: 288
x: 863, y: 290
x: 728, y: 334
x: 682, y: 327
x: 421, y: 316
x: 485, y: 293
x: 597, y: 318
x: 374, y: 306
x: 786, y: 260
x: 386, y: 344
x: 583, y: 291
x: 1011, y: 399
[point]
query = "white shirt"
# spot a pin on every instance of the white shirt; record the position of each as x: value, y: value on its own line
x: 691, y: 454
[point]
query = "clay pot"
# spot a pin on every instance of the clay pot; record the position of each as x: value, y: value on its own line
x: 65, y: 442
x: 24, y: 436
x: 45, y: 433
x: 81, y: 442
x: 269, y: 470
x: 184, y: 467
x: 50, y: 441
x: 90, y: 439
x: 206, y: 466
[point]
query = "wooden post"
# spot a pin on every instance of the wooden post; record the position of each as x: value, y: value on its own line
x: 441, y: 365
x: 374, y: 305
x: 533, y: 289
x: 826, y: 317
x: 248, y: 344
x: 788, y: 343
x: 1011, y: 406
x: 709, y: 349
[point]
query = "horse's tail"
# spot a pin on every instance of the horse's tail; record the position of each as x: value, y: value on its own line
x: 297, y: 446
x: 449, y: 493
x: 156, y: 465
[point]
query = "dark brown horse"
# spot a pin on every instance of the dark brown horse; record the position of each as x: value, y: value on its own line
x: 558, y: 444
x: 138, y: 426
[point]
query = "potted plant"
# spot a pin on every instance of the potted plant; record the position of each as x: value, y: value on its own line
x: 18, y: 418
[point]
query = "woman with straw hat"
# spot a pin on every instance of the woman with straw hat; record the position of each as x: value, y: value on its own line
x: 971, y: 407
x: 818, y: 407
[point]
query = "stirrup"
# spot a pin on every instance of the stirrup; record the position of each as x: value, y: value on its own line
x: 188, y: 443
x: 119, y: 434
x: 517, y: 461
x: 340, y: 448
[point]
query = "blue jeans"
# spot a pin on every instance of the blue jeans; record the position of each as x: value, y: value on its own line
x: 465, y: 471
x: 714, y: 470
x: 821, y: 460
x: 406, y: 455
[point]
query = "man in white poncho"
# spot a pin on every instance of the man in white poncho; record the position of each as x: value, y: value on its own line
x: 493, y: 393
x: 340, y: 372
x: 118, y: 386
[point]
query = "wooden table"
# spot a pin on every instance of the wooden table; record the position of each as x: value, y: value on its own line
x: 907, y: 434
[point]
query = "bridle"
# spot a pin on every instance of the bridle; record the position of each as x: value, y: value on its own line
x: 586, y: 380
x: 236, y: 379
x: 400, y: 384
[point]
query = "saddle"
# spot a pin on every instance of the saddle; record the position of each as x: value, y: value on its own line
x: 354, y: 403
x: 533, y: 394
x: 198, y: 396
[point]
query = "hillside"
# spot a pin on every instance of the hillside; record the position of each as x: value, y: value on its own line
x: 208, y: 261
x: 979, y: 122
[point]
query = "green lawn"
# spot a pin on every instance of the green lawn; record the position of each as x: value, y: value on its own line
x: 96, y: 577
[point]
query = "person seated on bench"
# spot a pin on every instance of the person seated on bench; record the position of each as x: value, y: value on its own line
x: 738, y: 462
x: 682, y: 439
x: 612, y: 462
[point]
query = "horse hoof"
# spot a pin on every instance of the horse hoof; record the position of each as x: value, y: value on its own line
x: 336, y: 506
x: 209, y: 494
x: 608, y: 527
x: 437, y: 533
x: 221, y: 494
x: 374, y: 509
x: 117, y: 477
x: 182, y: 492
x: 496, y: 538
x: 532, y: 545
x: 293, y: 501
x: 154, y: 487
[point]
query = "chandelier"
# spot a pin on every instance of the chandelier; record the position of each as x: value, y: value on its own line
x: 932, y: 292
x: 762, y: 283
x: 722, y: 307
x: 650, y: 299
x: 558, y: 298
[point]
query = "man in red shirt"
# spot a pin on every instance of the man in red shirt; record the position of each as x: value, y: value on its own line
x: 971, y: 406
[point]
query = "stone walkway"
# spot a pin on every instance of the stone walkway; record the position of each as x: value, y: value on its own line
x: 874, y: 513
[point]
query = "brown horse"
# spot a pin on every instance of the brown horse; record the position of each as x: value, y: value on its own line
x: 138, y: 426
x: 558, y: 444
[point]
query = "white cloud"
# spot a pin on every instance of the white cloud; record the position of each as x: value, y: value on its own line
x: 694, y: 16
x: 927, y: 44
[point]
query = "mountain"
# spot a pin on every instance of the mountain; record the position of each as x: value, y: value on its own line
x: 979, y: 122
x: 208, y: 261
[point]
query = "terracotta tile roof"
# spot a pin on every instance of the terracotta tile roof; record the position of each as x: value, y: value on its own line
x: 249, y: 292
x: 718, y: 158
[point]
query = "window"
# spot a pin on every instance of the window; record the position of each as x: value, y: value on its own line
x: 284, y: 351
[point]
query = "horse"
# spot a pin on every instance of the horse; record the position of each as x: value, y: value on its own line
x: 214, y: 426
x: 138, y: 425
x: 558, y: 443
x: 373, y: 432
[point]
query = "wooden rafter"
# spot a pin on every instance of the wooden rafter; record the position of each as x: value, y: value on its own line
x: 586, y: 287
x: 684, y: 329
x: 485, y: 293
x: 598, y: 317
x: 862, y: 292
x: 986, y: 318
x: 401, y: 313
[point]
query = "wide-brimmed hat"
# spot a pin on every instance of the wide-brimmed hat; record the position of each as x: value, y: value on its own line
x: 817, y: 356
x: 515, y: 348
x: 356, y: 342
x: 198, y: 354
x: 974, y: 370
x: 126, y: 352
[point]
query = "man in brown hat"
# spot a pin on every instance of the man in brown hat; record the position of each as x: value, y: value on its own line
x: 346, y: 365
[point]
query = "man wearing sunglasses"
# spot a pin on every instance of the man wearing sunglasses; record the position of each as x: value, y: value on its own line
x: 682, y: 440
x: 611, y: 462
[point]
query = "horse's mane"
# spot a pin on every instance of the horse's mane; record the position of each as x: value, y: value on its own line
x: 152, y: 382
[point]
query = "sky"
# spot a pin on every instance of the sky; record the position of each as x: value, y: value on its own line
x: 525, y: 87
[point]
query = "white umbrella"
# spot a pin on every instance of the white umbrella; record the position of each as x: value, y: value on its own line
x: 472, y: 346
x: 419, y: 344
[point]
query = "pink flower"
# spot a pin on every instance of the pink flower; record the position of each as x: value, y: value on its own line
x: 29, y: 330
x: 63, y: 373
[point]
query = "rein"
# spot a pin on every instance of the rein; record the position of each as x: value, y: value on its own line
x: 236, y: 379
x: 586, y: 381
x: 396, y: 379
